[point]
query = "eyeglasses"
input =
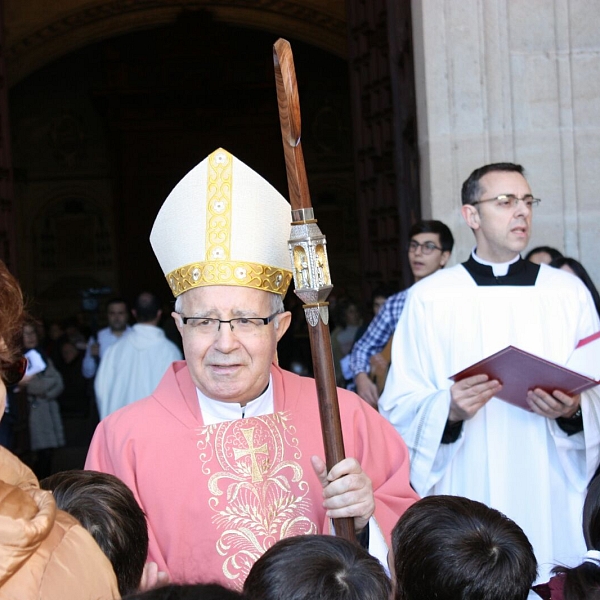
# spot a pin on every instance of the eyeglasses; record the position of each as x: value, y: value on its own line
x: 426, y: 247
x: 13, y: 372
x: 509, y: 201
x: 241, y: 326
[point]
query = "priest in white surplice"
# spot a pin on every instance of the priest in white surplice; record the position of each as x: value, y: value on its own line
x: 533, y: 466
x: 132, y: 367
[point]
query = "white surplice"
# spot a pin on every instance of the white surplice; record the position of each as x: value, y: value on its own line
x: 132, y: 367
x: 515, y: 461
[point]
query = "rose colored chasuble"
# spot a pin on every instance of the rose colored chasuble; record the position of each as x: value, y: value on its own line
x: 217, y: 496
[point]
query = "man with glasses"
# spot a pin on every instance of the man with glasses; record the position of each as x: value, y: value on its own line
x: 533, y: 465
x: 429, y: 249
x: 225, y: 457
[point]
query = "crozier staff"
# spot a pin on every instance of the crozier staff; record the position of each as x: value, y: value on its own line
x: 309, y: 263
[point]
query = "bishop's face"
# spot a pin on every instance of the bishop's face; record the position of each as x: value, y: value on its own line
x: 500, y: 233
x: 228, y: 366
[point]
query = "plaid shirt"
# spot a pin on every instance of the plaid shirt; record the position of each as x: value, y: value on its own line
x: 377, y: 334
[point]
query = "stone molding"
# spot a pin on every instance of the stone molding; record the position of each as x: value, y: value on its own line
x: 56, y: 38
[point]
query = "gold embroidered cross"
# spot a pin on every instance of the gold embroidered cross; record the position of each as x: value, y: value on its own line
x: 252, y: 451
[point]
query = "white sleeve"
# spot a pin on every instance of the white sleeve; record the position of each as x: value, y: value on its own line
x: 378, y: 547
x: 416, y: 399
x: 102, y: 384
x: 579, y: 454
x: 89, y: 364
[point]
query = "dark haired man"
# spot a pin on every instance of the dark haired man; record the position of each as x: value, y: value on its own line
x: 430, y: 246
x: 132, y: 367
x: 533, y: 465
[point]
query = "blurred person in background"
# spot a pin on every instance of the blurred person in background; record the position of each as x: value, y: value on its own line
x: 43, y: 384
x: 117, y: 315
x: 576, y: 268
x: 45, y: 553
x: 348, y: 320
x: 543, y: 255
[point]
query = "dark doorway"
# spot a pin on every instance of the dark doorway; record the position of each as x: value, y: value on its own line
x: 101, y: 136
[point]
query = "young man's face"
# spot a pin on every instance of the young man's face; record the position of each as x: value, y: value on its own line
x: 421, y: 263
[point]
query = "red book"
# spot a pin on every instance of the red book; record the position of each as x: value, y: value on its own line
x: 519, y: 371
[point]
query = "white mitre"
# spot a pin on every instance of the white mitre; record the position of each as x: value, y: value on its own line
x: 223, y: 224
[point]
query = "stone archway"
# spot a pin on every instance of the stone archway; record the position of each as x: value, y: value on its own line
x: 127, y: 117
x: 35, y: 38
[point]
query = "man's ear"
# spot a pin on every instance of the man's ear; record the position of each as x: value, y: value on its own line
x: 284, y: 320
x: 444, y: 258
x: 471, y: 216
x: 178, y: 321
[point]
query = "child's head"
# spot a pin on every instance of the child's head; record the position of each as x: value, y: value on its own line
x: 452, y: 548
x: 106, y: 507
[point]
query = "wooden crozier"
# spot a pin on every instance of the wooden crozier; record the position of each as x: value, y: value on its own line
x: 310, y: 265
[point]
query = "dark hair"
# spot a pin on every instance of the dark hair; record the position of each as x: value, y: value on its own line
x: 552, y: 252
x: 317, y: 566
x: 106, y: 507
x: 12, y: 315
x: 443, y: 231
x: 147, y: 306
x: 452, y: 548
x: 581, y: 272
x: 583, y: 582
x: 382, y: 291
x: 591, y: 515
x: 198, y: 591
x: 116, y: 300
x: 341, y: 307
x: 471, y: 188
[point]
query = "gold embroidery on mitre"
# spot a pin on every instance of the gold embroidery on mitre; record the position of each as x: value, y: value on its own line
x: 257, y: 491
x: 218, y: 205
x: 246, y: 274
